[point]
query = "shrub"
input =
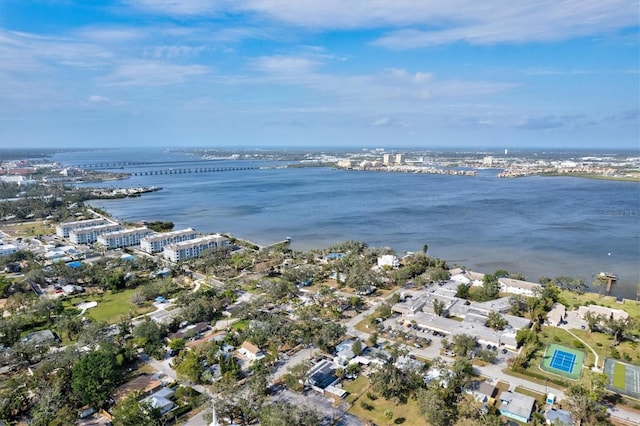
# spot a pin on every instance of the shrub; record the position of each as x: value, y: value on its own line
x: 556, y: 339
x: 577, y: 344
x: 598, y: 344
x: 372, y: 396
x: 366, y: 406
x: 615, y: 354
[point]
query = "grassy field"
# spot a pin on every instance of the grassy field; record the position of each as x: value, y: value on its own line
x: 601, y: 343
x: 402, y: 414
x: 112, y: 307
x: 29, y: 229
x: 618, y: 376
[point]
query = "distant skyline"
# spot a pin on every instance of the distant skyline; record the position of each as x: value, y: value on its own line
x: 388, y: 73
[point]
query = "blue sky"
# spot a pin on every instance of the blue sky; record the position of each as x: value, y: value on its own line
x: 377, y: 73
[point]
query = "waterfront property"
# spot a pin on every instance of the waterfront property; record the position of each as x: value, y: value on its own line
x: 193, y: 248
x: 63, y: 229
x: 156, y: 243
x: 509, y: 285
x: 604, y: 312
x: 90, y: 234
x: 563, y: 361
x: 420, y: 308
x: 124, y: 238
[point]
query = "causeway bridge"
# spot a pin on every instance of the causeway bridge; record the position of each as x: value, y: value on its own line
x: 174, y: 171
x: 122, y: 164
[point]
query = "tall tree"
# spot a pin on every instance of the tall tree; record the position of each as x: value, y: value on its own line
x: 131, y: 412
x: 94, y: 376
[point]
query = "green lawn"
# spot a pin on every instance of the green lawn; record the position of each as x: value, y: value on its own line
x: 601, y: 343
x: 112, y: 307
x: 406, y: 414
x: 240, y: 325
x: 619, y: 371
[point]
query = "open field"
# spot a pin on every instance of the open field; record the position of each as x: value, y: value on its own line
x: 601, y: 343
x: 402, y: 414
x: 111, y: 308
x: 28, y: 229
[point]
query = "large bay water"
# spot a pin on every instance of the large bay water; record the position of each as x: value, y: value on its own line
x: 538, y: 226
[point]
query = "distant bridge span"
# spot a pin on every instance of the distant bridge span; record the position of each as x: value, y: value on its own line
x: 173, y: 171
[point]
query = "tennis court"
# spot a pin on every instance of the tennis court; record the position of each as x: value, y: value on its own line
x: 563, y: 361
x: 624, y: 378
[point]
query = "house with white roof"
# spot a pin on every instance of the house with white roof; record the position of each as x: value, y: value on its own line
x: 606, y: 313
x: 388, y: 260
x: 526, y: 288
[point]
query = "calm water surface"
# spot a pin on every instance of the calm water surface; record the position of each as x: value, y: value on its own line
x: 538, y: 226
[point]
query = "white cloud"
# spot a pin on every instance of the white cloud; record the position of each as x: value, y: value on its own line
x: 152, y: 73
x: 383, y: 121
x: 97, y: 99
x: 284, y: 65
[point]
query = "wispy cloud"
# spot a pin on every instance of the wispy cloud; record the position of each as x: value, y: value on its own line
x: 152, y: 73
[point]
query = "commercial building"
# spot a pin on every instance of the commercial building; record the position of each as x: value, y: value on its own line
x: 193, y: 248
x: 156, y: 243
x: 90, y: 234
x: 63, y: 229
x: 125, y: 238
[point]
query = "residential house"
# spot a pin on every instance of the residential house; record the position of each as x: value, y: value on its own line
x: 161, y: 400
x: 322, y: 375
x: 516, y: 406
x: 143, y: 384
x: 481, y: 391
x: 558, y: 417
x: 606, y: 313
x: 388, y: 260
x: 557, y: 314
x: 251, y: 351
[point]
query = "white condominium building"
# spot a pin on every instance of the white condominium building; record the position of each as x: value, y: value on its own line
x: 193, y: 248
x: 63, y: 229
x: 156, y: 243
x: 126, y: 238
x: 90, y: 235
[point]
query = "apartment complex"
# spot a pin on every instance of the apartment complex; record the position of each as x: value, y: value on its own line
x: 193, y: 248
x: 63, y: 229
x: 124, y: 238
x: 90, y: 234
x: 156, y: 243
